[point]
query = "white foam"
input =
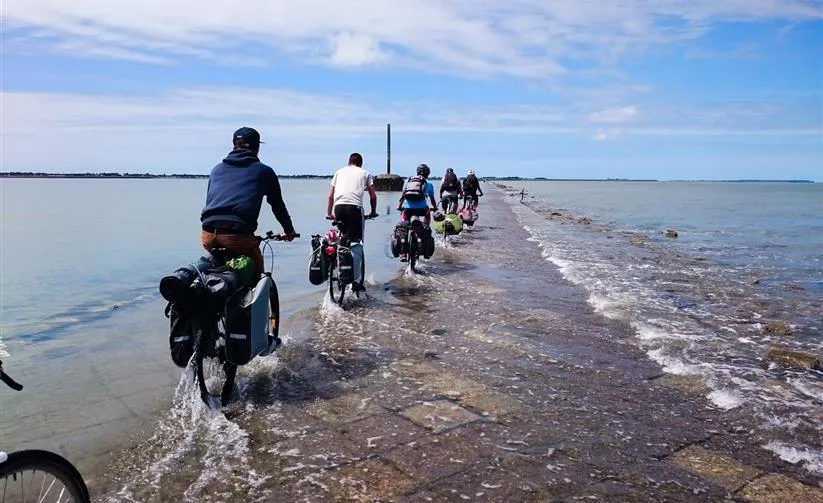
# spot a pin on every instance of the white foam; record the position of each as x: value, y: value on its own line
x: 811, y: 389
x: 726, y: 399
x: 329, y: 306
x: 782, y: 423
x: 812, y: 458
x: 673, y: 365
x: 684, y: 338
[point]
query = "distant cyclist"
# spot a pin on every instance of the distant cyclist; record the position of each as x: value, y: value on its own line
x: 345, y: 205
x: 413, y: 200
x: 471, y: 187
x: 234, y: 197
x: 453, y: 190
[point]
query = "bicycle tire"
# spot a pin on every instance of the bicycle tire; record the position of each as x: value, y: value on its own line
x: 274, y: 304
x: 414, y: 244
x: 335, y: 284
x: 48, y: 462
x: 203, y: 347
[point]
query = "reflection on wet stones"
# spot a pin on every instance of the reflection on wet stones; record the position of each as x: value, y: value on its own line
x: 344, y: 409
x: 723, y: 471
x: 439, y: 415
x: 367, y: 481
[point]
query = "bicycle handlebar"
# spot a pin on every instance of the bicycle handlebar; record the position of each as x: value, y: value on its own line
x: 8, y: 381
x: 336, y: 222
x: 271, y: 236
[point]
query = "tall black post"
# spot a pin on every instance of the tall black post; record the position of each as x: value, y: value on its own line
x: 388, y: 149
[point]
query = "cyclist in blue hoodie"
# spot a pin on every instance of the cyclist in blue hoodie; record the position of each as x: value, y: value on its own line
x: 234, y: 197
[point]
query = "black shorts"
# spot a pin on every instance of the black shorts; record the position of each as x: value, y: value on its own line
x: 351, y: 221
x: 416, y: 212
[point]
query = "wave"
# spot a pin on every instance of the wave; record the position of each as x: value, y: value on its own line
x: 690, y: 315
x: 53, y: 326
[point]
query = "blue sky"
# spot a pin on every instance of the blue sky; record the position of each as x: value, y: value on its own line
x: 667, y: 89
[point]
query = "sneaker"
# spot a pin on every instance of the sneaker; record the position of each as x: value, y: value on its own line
x: 404, y: 257
x: 358, y: 288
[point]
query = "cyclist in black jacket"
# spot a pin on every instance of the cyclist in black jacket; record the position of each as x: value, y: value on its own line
x: 471, y: 186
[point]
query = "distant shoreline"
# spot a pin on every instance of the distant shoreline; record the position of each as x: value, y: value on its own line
x: 21, y: 174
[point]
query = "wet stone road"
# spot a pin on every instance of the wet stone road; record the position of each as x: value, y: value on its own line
x: 485, y: 378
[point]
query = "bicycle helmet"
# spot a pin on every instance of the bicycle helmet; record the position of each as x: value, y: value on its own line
x: 423, y: 170
x: 471, y: 172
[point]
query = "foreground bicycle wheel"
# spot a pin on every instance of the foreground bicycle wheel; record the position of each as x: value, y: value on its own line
x: 40, y: 476
x: 215, y: 375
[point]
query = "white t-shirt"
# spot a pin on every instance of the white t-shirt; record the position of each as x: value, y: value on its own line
x: 349, y: 184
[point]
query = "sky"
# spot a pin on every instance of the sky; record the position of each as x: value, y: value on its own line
x: 662, y: 89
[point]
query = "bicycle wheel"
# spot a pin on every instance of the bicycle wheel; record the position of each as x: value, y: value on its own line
x: 414, y: 249
x: 41, y: 476
x: 336, y: 288
x: 215, y: 375
x: 274, y: 315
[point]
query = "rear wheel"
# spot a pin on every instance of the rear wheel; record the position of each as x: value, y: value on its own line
x: 215, y: 374
x: 414, y: 250
x: 337, y: 289
x: 41, y: 476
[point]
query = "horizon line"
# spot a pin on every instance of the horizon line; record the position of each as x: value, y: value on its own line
x: 88, y: 175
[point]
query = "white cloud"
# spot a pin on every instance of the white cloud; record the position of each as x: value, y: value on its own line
x: 192, y: 127
x: 350, y: 49
x: 624, y: 114
x: 524, y: 38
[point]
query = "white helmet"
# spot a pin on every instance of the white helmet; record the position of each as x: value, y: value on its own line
x: 471, y: 172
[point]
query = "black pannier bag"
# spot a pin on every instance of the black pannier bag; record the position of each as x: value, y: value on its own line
x: 427, y: 240
x: 345, y: 261
x: 318, y: 265
x: 183, y: 307
x: 238, y: 326
x: 398, y: 239
x: 181, y: 335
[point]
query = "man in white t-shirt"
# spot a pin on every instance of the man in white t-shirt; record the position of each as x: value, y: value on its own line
x: 345, y: 205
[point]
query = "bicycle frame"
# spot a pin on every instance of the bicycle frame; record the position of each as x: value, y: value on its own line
x: 413, y: 241
x: 210, y: 313
x: 332, y: 251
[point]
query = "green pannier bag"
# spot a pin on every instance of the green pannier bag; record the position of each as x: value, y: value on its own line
x: 245, y: 269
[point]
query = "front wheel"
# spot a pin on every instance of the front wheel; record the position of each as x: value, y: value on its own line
x: 36, y: 475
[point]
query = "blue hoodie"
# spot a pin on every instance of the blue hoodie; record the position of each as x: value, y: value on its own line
x: 235, y: 194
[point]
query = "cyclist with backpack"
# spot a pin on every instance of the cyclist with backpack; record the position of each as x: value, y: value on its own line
x: 413, y: 200
x: 471, y: 186
x: 453, y: 189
